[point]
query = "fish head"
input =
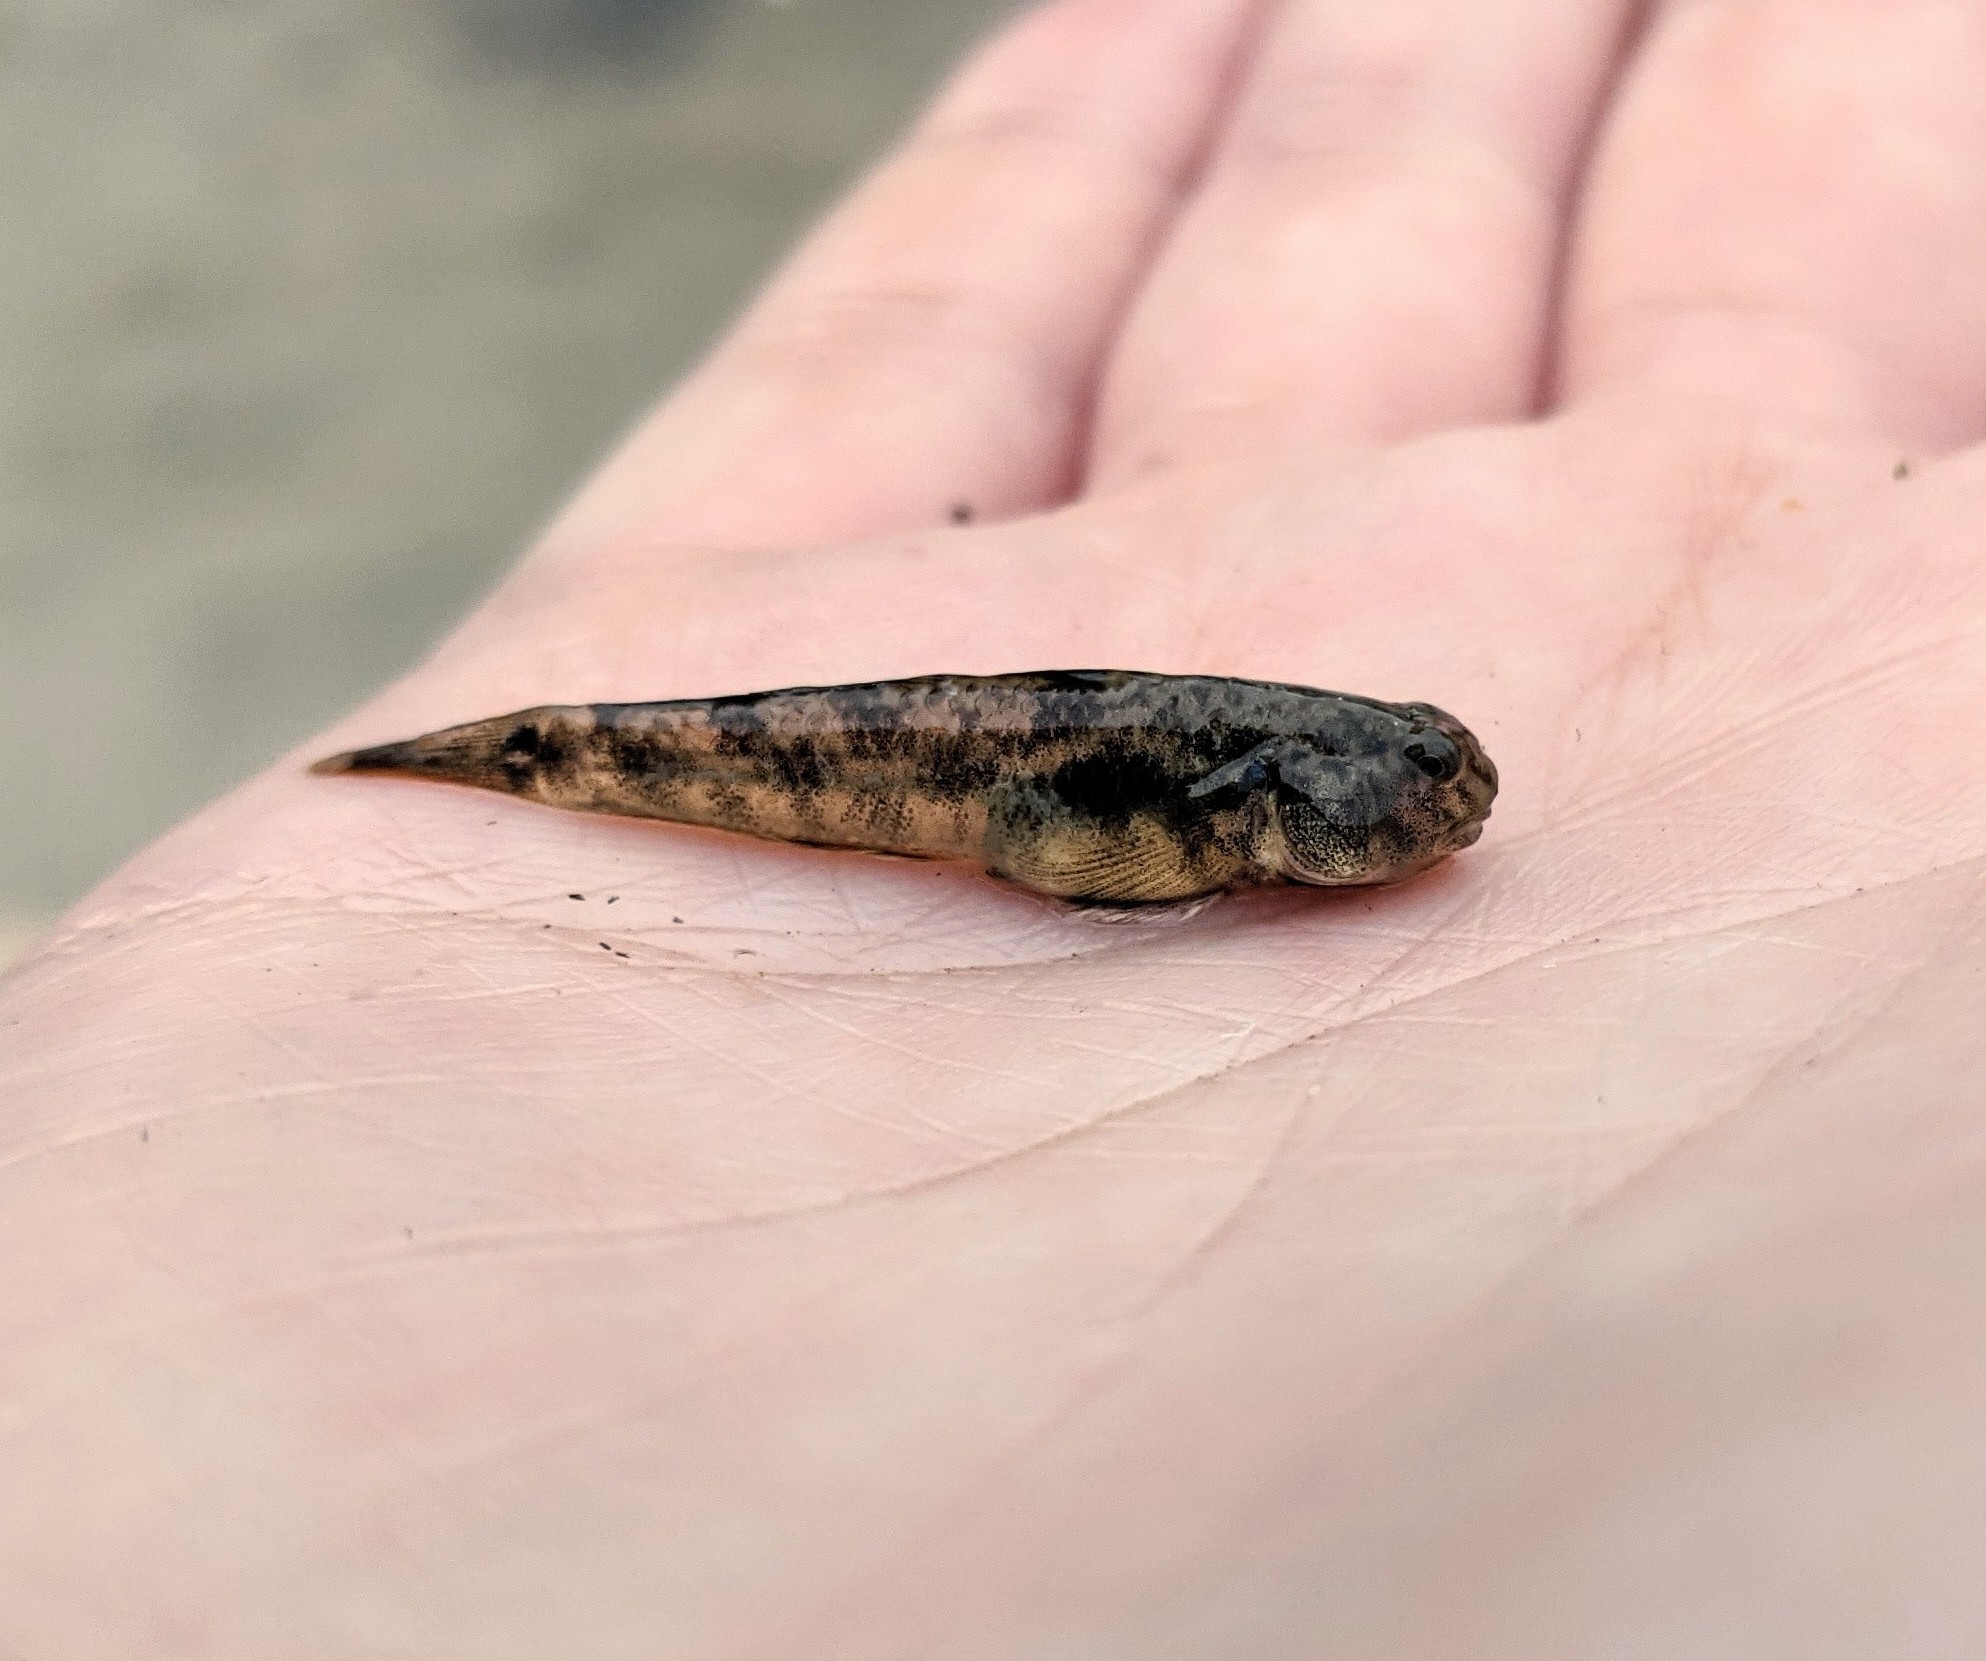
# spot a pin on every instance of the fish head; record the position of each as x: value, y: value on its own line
x: 1412, y: 787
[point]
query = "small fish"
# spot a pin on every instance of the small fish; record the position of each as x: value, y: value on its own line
x: 1104, y: 786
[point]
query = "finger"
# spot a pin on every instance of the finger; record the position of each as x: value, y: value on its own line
x: 1372, y: 254
x: 932, y: 348
x: 1789, y: 214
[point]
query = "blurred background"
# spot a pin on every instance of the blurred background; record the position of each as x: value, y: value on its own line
x: 310, y: 314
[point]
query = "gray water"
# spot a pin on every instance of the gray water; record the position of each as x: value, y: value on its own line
x: 310, y: 314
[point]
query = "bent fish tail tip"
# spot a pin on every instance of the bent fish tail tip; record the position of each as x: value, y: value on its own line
x: 454, y: 755
x: 473, y: 754
x: 405, y: 757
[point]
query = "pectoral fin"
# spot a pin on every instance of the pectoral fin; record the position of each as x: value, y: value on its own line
x: 1242, y: 775
x: 1033, y: 839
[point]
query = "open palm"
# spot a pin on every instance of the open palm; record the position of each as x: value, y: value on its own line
x: 439, y: 1227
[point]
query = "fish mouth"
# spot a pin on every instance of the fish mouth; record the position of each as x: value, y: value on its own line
x: 1479, y: 782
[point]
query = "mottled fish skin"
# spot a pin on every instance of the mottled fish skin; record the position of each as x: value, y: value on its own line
x: 1098, y: 785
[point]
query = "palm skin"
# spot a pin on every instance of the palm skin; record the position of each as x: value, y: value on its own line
x: 439, y: 1226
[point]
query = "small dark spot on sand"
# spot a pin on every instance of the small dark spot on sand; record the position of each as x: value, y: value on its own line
x: 962, y: 513
x: 605, y: 947
x: 675, y: 919
x: 575, y: 896
x: 620, y: 954
x: 611, y: 898
x: 144, y: 1133
x: 1901, y: 470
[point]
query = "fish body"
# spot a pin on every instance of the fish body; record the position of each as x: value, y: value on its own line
x: 1106, y: 786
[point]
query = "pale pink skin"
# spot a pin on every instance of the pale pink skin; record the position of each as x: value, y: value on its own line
x: 1578, y: 1252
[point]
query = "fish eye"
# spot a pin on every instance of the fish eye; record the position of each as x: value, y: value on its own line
x: 1435, y: 754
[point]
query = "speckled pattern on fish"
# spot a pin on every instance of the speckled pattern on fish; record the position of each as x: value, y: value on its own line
x: 1107, y: 786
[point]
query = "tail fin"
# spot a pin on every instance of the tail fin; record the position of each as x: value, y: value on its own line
x: 499, y: 754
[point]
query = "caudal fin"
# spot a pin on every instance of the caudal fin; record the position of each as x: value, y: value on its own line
x: 491, y: 755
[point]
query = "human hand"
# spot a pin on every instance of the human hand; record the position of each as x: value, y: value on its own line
x: 1569, y: 1253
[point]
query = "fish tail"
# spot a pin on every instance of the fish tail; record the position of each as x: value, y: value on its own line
x: 504, y: 753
